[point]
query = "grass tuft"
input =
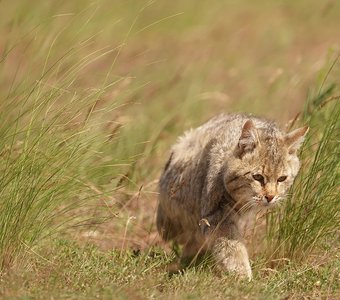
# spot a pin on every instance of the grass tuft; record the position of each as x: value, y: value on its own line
x: 310, y: 219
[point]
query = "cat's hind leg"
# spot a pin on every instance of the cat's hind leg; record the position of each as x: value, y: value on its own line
x: 167, y: 229
x: 193, y: 252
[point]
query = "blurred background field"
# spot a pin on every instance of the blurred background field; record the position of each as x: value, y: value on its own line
x: 93, y: 94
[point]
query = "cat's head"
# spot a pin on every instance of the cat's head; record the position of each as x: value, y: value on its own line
x: 265, y: 165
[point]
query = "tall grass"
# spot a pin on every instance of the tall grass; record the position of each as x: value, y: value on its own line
x: 43, y: 150
x: 57, y: 140
x: 310, y: 219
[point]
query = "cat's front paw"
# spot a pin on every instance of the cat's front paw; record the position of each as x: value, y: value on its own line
x: 232, y: 256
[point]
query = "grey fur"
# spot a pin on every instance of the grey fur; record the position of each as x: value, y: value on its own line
x: 207, y: 186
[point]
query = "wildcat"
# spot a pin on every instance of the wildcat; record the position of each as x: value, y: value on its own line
x: 219, y: 174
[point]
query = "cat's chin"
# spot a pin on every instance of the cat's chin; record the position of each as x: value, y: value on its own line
x: 262, y: 205
x: 267, y: 205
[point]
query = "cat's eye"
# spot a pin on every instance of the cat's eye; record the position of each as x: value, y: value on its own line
x: 258, y: 177
x: 282, y: 178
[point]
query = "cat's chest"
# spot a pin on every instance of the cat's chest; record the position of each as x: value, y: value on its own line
x: 246, y: 221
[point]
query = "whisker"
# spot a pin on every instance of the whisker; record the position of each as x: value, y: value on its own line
x: 246, y: 206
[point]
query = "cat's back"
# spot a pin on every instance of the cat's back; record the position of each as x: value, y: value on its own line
x: 223, y: 128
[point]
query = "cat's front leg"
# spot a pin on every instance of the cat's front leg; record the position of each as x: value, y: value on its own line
x: 219, y: 226
x: 232, y: 256
x: 226, y: 244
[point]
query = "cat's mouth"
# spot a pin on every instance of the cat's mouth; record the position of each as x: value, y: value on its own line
x: 263, y: 201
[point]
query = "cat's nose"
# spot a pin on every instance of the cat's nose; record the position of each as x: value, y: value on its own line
x: 269, y: 198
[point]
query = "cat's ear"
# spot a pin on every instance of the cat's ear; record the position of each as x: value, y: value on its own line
x: 248, y: 138
x: 295, y: 139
